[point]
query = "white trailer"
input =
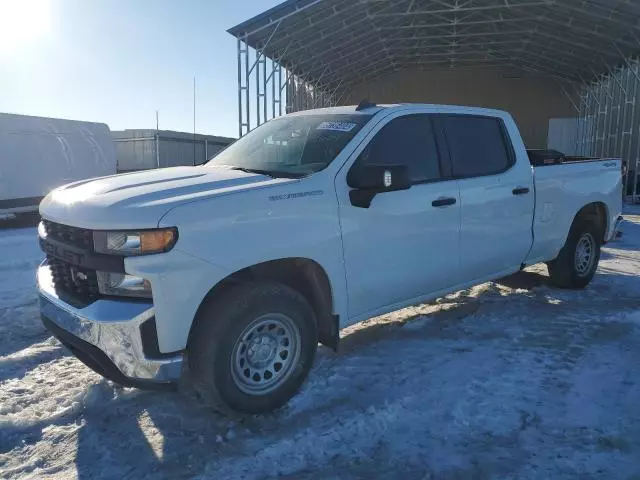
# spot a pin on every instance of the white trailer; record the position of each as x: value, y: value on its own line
x: 39, y: 154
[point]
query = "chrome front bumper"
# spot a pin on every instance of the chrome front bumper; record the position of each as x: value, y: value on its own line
x: 107, y: 329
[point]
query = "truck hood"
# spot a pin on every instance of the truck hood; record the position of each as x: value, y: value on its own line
x: 139, y: 200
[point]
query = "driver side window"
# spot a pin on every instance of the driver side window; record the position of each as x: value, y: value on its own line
x: 407, y: 140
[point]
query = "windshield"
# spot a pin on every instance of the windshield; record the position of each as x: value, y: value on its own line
x: 292, y: 146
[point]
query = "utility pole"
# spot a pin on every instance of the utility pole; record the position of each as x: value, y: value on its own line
x: 157, y: 139
x: 194, y: 120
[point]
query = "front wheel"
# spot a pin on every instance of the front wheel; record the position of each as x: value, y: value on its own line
x: 578, y: 260
x: 252, y: 350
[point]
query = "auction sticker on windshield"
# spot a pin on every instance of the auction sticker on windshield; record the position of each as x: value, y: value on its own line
x: 337, y: 126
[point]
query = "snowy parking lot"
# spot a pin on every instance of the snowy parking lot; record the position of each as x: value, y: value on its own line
x: 512, y: 379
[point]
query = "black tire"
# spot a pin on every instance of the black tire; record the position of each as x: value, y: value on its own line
x: 565, y: 271
x: 220, y: 324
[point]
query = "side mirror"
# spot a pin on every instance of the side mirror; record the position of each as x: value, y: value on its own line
x: 369, y: 180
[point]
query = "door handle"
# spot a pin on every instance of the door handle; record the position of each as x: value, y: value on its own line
x: 443, y: 202
x: 521, y: 191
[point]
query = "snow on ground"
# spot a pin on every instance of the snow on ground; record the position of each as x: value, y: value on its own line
x: 512, y: 379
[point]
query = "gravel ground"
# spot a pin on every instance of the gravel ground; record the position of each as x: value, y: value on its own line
x: 512, y: 379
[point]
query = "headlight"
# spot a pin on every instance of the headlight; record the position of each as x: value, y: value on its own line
x: 143, y: 242
x: 122, y: 284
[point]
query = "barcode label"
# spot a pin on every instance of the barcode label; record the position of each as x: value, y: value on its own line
x: 336, y: 126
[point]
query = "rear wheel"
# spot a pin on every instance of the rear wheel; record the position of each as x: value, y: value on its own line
x: 251, y: 351
x: 578, y: 260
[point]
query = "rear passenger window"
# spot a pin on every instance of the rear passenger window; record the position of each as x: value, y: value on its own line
x: 477, y: 146
x: 409, y: 141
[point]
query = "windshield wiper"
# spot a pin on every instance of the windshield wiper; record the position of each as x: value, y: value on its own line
x: 269, y: 173
x: 254, y: 170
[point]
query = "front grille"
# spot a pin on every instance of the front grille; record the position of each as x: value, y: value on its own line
x: 77, y: 237
x: 76, y: 284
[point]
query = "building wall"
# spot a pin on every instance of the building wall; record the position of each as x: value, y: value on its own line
x: 136, y: 149
x: 530, y: 98
x: 563, y: 135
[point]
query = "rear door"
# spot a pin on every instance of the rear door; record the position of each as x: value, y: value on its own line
x: 496, y: 193
x: 405, y: 245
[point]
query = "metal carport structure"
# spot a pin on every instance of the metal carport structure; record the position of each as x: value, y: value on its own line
x: 311, y: 53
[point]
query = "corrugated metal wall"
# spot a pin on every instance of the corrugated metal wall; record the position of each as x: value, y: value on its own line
x: 146, y: 149
x: 609, y: 122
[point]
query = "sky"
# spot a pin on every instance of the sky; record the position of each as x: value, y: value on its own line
x: 118, y: 61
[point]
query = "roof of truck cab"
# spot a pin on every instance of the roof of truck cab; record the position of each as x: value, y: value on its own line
x: 373, y: 109
x: 345, y: 110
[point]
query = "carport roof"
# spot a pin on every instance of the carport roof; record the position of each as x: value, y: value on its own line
x: 332, y: 43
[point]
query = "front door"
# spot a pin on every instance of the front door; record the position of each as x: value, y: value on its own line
x: 405, y: 244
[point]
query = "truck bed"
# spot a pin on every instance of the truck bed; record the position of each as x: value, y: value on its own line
x: 561, y: 189
x: 542, y: 158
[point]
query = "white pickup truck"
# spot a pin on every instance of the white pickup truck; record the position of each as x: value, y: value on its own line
x: 311, y: 222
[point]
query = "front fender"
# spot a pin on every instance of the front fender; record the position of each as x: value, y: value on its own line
x: 238, y: 231
x: 179, y: 282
